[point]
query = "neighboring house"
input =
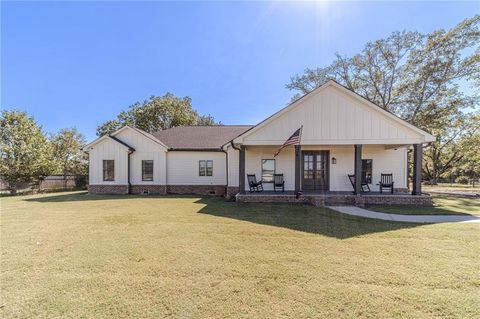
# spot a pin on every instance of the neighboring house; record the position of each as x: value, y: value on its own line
x: 342, y: 134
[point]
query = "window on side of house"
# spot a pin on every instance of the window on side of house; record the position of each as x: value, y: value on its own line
x: 205, y: 168
x: 367, y: 170
x: 209, y: 168
x: 268, y: 170
x: 108, y: 170
x: 147, y: 170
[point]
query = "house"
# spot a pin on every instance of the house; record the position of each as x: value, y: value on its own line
x: 342, y: 134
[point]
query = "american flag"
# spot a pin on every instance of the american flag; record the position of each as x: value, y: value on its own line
x: 292, y: 140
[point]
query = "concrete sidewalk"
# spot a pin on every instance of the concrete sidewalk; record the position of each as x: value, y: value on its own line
x: 357, y: 211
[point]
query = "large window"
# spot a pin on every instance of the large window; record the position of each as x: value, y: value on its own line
x: 147, y: 170
x: 268, y: 170
x: 367, y: 170
x: 205, y: 168
x: 108, y: 170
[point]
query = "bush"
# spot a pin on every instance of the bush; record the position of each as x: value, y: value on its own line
x: 461, y: 180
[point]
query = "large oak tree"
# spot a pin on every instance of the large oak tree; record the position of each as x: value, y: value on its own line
x: 418, y: 77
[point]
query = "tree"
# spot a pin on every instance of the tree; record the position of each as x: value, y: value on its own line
x: 157, y: 113
x: 417, y: 77
x: 67, y: 153
x: 25, y: 152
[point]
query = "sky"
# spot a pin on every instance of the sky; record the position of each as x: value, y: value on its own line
x: 78, y: 64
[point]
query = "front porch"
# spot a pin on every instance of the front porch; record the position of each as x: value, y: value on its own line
x: 336, y: 198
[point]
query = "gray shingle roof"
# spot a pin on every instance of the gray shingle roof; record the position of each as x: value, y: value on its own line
x: 200, y: 137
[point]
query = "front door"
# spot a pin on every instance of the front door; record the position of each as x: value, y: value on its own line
x: 315, y: 171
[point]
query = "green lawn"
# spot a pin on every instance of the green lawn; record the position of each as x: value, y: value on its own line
x: 74, y: 255
x: 442, y: 205
x: 452, y: 187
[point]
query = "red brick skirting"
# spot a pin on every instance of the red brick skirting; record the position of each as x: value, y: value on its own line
x: 148, y: 189
x: 338, y: 199
x: 108, y: 189
x: 218, y: 190
x: 232, y: 191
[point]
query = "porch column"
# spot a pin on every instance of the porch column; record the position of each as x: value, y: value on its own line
x: 298, y: 158
x: 358, y: 169
x: 417, y: 169
x: 241, y: 168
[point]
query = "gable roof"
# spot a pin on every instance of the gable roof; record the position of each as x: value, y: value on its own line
x: 331, y: 83
x: 209, y: 137
x: 108, y: 137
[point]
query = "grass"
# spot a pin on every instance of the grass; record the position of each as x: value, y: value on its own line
x: 74, y: 255
x: 442, y: 205
x: 452, y: 187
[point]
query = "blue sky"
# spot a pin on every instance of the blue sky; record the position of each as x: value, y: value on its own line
x: 77, y: 64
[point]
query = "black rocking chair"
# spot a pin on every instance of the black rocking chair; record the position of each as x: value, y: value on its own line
x: 253, y: 184
x: 278, y: 182
x: 386, y: 181
x: 363, y: 186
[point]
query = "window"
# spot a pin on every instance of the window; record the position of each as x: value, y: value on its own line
x: 268, y: 170
x: 205, y: 168
x: 367, y: 170
x: 147, y: 170
x: 108, y: 170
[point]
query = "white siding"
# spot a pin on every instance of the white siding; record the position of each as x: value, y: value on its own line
x: 284, y: 164
x: 331, y: 117
x: 145, y: 149
x: 233, y: 161
x: 107, y: 150
x: 383, y: 161
x: 182, y: 168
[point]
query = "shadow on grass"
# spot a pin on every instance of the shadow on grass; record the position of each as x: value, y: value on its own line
x: 308, y: 219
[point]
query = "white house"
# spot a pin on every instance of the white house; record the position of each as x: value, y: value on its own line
x: 342, y: 134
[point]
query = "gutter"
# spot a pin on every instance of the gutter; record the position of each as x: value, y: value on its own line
x: 129, y: 187
x: 226, y: 169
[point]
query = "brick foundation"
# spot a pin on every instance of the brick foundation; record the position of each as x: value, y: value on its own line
x: 150, y: 189
x: 218, y: 190
x: 108, y: 189
x: 231, y: 192
x: 338, y: 199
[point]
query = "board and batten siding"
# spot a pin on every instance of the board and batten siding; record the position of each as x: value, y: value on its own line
x: 332, y: 117
x: 233, y: 166
x: 284, y: 164
x: 108, y: 149
x: 387, y: 161
x: 145, y: 149
x: 182, y: 168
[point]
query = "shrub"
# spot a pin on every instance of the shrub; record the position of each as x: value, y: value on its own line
x: 461, y: 180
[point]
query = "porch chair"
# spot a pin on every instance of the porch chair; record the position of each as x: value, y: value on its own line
x: 363, y: 186
x: 253, y: 184
x: 278, y: 182
x: 386, y: 181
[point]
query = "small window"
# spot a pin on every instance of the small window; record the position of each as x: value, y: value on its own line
x: 205, y: 168
x: 367, y: 170
x: 108, y: 170
x: 268, y: 170
x: 147, y: 170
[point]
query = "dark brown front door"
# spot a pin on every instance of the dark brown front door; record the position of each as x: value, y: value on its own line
x: 315, y: 171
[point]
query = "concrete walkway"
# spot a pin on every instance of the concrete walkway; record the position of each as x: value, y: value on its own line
x: 357, y: 211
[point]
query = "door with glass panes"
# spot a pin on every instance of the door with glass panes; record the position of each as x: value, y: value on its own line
x: 315, y: 171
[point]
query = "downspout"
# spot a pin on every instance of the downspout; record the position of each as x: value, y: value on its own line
x: 226, y: 169
x: 129, y: 190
